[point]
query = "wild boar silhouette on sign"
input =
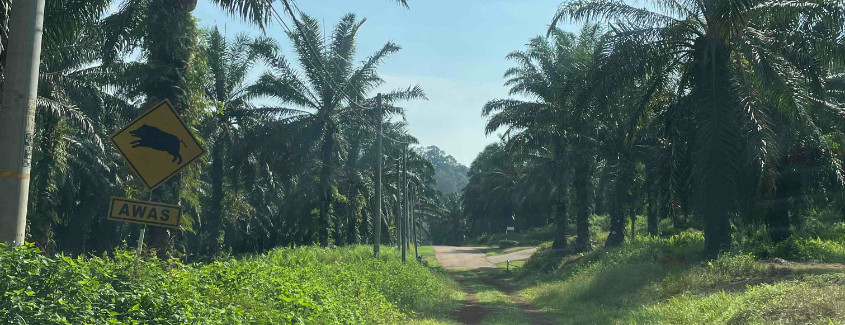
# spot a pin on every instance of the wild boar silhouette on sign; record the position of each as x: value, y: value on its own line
x: 156, y: 139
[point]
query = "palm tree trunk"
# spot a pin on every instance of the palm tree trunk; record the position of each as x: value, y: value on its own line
x: 352, y: 217
x: 617, y: 226
x: 583, y: 205
x: 170, y: 44
x: 353, y: 192
x: 665, y: 207
x: 617, y: 207
x: 653, y: 210
x: 777, y: 218
x: 215, y: 213
x: 40, y: 215
x: 601, y: 198
x: 633, y: 223
x: 717, y: 138
x: 559, y: 208
x: 324, y: 223
x: 559, y: 211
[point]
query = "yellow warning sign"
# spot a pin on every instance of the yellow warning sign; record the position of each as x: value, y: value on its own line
x: 147, y: 213
x: 157, y: 144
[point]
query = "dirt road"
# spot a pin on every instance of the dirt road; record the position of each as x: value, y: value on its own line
x: 468, y: 258
x: 519, y: 255
x: 472, y: 258
x: 476, y: 272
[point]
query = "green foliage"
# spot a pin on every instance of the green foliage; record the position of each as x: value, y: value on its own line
x: 530, y: 237
x: 811, y: 300
x: 449, y: 175
x: 508, y: 243
x: 804, y: 249
x: 304, y: 147
x: 668, y: 281
x: 284, y: 286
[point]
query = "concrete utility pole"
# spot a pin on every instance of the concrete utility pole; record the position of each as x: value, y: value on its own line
x: 378, y: 179
x: 17, y: 116
x: 404, y: 200
x: 414, y: 223
x: 398, y: 205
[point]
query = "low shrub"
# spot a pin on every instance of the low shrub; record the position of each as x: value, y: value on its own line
x: 284, y: 286
x: 668, y: 281
x: 804, y: 249
x: 506, y: 243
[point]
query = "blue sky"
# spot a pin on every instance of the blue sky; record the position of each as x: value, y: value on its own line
x: 455, y: 50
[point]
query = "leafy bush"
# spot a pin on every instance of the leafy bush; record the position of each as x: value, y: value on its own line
x: 533, y: 236
x: 285, y: 286
x: 540, y: 234
x: 668, y: 281
x: 507, y: 243
x: 685, y: 247
x: 803, y: 249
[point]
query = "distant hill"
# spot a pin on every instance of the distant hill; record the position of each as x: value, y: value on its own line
x: 450, y: 175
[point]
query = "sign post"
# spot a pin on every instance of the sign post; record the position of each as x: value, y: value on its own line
x: 156, y: 146
x: 145, y: 213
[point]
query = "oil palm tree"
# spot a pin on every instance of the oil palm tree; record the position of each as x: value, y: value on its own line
x: 553, y: 72
x: 330, y: 92
x: 231, y: 113
x: 166, y: 33
x: 71, y: 106
x: 448, y: 225
x: 726, y: 54
x: 490, y: 195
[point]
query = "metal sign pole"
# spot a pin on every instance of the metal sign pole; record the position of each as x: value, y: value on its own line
x: 140, y: 242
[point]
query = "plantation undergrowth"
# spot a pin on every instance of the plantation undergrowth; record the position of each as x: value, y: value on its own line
x: 284, y: 286
x: 667, y: 281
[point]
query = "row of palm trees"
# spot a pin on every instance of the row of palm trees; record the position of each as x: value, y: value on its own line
x: 291, y: 155
x: 728, y: 111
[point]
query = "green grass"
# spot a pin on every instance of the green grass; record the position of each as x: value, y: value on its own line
x: 499, y: 251
x: 811, y: 300
x: 428, y: 257
x: 528, y: 237
x: 514, y: 264
x: 501, y: 310
x: 284, y: 286
x: 667, y: 281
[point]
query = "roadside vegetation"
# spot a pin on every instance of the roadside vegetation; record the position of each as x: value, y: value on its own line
x: 282, y: 286
x: 716, y: 116
x: 676, y: 164
x: 669, y: 280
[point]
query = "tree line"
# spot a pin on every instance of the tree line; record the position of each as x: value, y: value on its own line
x: 290, y: 155
x: 725, y: 116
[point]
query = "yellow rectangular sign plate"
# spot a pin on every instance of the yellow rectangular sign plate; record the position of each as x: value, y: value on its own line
x: 146, y: 213
x: 157, y: 144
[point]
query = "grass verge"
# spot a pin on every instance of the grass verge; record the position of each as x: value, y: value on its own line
x: 667, y: 281
x: 284, y: 286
